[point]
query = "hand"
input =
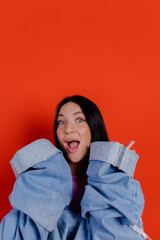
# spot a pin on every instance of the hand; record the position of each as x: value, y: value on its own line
x: 130, y: 144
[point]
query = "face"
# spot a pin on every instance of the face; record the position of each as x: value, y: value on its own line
x: 73, y: 132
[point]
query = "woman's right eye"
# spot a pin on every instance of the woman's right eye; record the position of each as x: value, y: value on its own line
x: 60, y: 122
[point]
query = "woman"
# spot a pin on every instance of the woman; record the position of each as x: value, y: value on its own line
x: 52, y: 197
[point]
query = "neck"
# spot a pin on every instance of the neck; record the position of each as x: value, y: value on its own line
x: 79, y: 168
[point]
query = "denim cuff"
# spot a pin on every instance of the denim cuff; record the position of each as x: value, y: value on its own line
x: 31, y: 154
x: 116, y: 154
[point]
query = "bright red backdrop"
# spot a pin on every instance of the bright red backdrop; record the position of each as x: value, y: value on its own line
x: 108, y: 51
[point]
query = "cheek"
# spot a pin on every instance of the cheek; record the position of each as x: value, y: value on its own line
x: 87, y: 135
x: 59, y: 134
x: 89, y: 138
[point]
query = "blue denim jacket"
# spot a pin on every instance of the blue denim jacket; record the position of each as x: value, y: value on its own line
x: 112, y: 204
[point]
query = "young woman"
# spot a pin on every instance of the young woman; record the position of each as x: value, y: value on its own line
x: 81, y: 189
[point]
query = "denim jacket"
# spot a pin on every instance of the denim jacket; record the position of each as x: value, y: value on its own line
x: 111, y: 207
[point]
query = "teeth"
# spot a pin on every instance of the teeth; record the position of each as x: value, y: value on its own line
x: 73, y: 141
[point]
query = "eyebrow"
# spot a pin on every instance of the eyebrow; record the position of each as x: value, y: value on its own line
x: 61, y: 115
x: 77, y: 112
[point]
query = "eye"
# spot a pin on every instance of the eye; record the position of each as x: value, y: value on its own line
x: 79, y: 120
x: 60, y: 122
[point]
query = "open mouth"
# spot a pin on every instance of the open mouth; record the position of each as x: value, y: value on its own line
x: 73, y: 145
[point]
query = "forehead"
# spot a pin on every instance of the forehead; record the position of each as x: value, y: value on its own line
x: 70, y: 108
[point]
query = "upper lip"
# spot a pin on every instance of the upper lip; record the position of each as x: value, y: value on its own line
x: 71, y: 140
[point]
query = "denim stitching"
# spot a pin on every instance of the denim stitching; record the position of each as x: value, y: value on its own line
x: 121, y: 157
x: 16, y: 168
x: 118, y: 155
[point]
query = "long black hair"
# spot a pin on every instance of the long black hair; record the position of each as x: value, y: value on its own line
x: 93, y: 117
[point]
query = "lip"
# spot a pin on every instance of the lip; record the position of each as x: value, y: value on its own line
x: 68, y: 148
x: 71, y: 139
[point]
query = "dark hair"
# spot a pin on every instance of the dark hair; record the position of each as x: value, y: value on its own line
x: 93, y: 117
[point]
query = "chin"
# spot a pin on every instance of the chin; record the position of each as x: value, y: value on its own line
x: 74, y: 160
x: 77, y: 159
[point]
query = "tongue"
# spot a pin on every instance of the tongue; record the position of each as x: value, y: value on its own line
x: 73, y: 145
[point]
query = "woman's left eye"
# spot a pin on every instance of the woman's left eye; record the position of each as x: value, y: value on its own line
x: 80, y: 120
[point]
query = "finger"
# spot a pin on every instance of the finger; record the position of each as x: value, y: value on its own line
x: 130, y: 144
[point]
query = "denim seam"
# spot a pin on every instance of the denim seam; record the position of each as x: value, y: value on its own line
x: 120, y: 167
x: 15, y: 167
x: 140, y: 231
x: 118, y: 155
x: 135, y: 202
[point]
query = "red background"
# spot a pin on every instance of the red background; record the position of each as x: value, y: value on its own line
x: 108, y: 51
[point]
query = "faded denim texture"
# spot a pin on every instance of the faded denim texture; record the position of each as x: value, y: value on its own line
x: 112, y: 201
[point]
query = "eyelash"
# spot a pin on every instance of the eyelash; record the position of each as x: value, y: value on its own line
x: 81, y: 119
x: 60, y: 122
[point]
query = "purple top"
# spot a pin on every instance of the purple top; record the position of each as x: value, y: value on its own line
x: 78, y: 184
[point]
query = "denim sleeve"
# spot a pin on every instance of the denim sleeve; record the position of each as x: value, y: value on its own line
x: 42, y: 190
x: 18, y: 226
x: 113, y: 200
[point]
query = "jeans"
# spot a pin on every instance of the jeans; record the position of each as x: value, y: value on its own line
x: 110, y: 208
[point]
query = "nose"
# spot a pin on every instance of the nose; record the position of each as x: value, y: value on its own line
x: 70, y: 128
